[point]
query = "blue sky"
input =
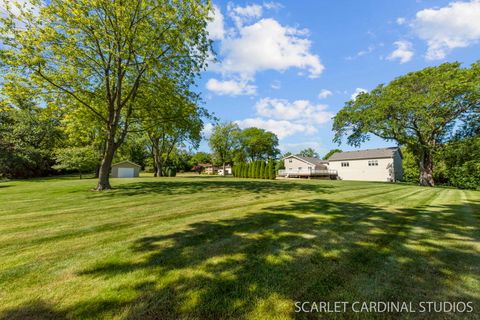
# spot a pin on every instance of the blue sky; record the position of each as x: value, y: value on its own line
x: 289, y: 66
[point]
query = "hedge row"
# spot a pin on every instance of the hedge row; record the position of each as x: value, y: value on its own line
x: 256, y: 169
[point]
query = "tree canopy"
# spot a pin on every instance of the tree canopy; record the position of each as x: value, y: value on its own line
x: 308, y: 152
x: 419, y: 110
x: 101, y: 54
x: 224, y: 140
x: 259, y: 144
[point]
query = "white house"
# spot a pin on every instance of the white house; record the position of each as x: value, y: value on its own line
x: 383, y: 164
x: 228, y: 170
x: 305, y: 167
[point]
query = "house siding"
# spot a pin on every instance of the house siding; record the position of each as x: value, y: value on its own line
x: 360, y: 170
x: 297, y: 163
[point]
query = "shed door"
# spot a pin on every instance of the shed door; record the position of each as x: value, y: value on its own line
x: 126, y: 172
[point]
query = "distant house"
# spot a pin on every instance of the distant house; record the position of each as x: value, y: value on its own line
x: 305, y: 167
x: 228, y: 170
x: 384, y: 164
x: 125, y: 169
x: 209, y: 168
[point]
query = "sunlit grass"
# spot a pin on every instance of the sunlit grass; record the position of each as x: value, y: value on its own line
x: 210, y: 248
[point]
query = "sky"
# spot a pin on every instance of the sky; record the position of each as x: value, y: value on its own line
x: 290, y: 66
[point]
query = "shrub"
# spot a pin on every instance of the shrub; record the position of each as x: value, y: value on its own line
x: 262, y: 170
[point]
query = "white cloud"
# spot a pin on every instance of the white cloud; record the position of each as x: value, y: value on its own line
x: 285, y: 118
x: 364, y: 52
x: 207, y: 130
x: 267, y: 45
x: 357, y: 92
x: 401, y: 21
x: 276, y: 85
x: 241, y: 15
x: 297, y: 147
x: 258, y: 44
x: 454, y: 26
x: 282, y: 128
x: 299, y: 110
x: 272, y: 5
x: 403, y: 52
x: 230, y: 87
x: 324, y: 93
x: 216, y: 27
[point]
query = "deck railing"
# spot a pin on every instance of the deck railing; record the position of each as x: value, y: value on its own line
x: 306, y: 172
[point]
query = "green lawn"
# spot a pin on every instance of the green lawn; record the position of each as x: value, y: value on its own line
x: 217, y: 248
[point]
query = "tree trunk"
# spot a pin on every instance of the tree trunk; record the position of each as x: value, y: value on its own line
x: 158, y: 164
x: 426, y: 169
x: 80, y: 172
x: 106, y: 165
x: 224, y: 173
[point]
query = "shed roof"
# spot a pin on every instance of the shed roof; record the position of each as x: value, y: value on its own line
x: 365, y: 154
x: 125, y: 161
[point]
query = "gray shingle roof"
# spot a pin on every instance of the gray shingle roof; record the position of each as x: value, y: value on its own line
x: 311, y: 160
x: 364, y: 154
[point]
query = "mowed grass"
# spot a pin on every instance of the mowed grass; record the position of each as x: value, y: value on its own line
x: 219, y: 248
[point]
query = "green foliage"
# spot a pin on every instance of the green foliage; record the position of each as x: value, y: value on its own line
x: 456, y: 163
x: 171, y: 119
x: 308, y: 152
x: 224, y: 140
x: 258, y: 144
x: 28, y: 136
x: 330, y: 153
x: 461, y: 161
x: 410, y: 167
x: 104, y: 55
x: 256, y: 169
x: 418, y: 110
x: 79, y: 159
x: 271, y: 171
x: 279, y: 165
x: 262, y: 170
x: 200, y: 157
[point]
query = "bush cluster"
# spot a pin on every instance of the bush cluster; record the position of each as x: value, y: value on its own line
x: 258, y: 169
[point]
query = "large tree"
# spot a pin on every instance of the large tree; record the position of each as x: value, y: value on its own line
x: 101, y: 52
x: 259, y: 144
x: 224, y: 140
x: 28, y: 134
x: 308, y: 152
x: 171, y: 118
x: 418, y: 110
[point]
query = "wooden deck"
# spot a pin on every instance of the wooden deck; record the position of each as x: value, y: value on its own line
x: 332, y: 174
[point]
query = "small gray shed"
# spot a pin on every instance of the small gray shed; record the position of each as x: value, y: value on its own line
x: 125, y: 169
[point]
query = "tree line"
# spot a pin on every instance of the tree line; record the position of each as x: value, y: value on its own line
x: 230, y: 145
x: 105, y: 70
x: 258, y: 169
x: 434, y: 114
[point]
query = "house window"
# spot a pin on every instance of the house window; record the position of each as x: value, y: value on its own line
x: 289, y: 160
x: 372, y: 163
x: 299, y: 168
x: 345, y: 164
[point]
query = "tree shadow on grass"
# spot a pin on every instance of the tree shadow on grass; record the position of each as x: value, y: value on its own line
x: 262, y: 188
x: 38, y: 310
x: 311, y: 250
